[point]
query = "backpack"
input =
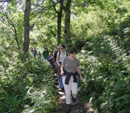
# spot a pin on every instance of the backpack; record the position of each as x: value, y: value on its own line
x: 55, y: 55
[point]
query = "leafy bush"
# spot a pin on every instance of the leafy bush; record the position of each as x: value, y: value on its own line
x: 16, y: 81
x: 105, y: 66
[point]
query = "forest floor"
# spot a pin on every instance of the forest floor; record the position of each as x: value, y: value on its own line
x: 77, y: 107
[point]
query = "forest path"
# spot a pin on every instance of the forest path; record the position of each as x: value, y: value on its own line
x: 78, y: 107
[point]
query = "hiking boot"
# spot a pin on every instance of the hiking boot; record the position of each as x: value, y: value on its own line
x: 67, y: 109
x: 73, y: 99
x: 61, y: 89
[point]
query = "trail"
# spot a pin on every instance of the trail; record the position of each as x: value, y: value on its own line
x: 78, y: 107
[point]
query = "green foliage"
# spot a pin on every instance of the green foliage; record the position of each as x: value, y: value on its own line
x: 23, y: 84
x: 106, y: 69
x: 101, y: 28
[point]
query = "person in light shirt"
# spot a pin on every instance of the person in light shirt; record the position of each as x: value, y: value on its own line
x: 61, y: 55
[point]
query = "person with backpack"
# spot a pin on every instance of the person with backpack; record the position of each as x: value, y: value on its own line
x: 61, y: 55
x: 69, y: 69
x: 54, y: 56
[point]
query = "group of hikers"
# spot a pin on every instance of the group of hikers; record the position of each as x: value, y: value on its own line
x: 68, y: 68
x: 35, y: 53
x: 46, y: 54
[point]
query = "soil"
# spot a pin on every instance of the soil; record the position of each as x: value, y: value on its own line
x: 77, y: 107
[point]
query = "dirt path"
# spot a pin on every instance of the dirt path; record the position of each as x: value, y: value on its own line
x: 78, y: 108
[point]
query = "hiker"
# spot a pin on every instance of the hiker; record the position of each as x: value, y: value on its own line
x: 61, y: 55
x: 34, y: 53
x: 54, y: 60
x: 69, y: 69
x: 54, y: 56
x: 31, y: 49
x: 39, y: 55
x: 55, y: 63
x: 45, y: 53
x: 50, y: 58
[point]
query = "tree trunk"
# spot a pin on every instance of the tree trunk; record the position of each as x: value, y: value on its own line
x: 59, y: 29
x: 26, y: 29
x: 59, y: 20
x: 67, y: 22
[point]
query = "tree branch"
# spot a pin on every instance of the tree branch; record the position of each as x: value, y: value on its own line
x: 54, y: 6
x: 14, y: 29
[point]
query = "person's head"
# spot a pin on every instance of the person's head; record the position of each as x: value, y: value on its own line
x: 59, y: 47
x: 46, y: 48
x: 49, y: 54
x: 31, y: 49
x: 73, y: 51
x: 62, y: 48
x: 54, y: 51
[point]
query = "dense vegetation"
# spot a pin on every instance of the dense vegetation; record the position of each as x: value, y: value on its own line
x: 29, y: 87
x: 105, y: 64
x: 101, y: 32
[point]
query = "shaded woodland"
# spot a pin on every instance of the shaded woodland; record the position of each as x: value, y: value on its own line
x: 99, y: 29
